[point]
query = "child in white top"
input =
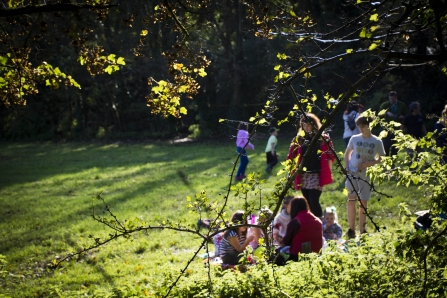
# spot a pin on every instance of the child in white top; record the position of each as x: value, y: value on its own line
x: 281, y: 220
x: 364, y: 150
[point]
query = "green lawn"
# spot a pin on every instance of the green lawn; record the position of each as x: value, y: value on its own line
x: 47, y: 192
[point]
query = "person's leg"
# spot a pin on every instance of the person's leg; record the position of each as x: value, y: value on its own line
x: 269, y: 156
x: 365, y: 194
x: 243, y: 162
x: 314, y: 202
x: 231, y: 258
x: 306, y: 194
x: 393, y: 148
x: 274, y: 161
x: 387, y: 144
x: 362, y: 215
x: 352, y: 186
x: 352, y: 201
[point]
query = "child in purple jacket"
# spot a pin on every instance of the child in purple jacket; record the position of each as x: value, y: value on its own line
x: 242, y: 143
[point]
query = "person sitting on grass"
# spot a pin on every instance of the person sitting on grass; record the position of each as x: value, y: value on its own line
x: 280, y: 222
x: 234, y: 240
x: 305, y: 231
x: 331, y: 229
x: 264, y: 215
x: 364, y: 150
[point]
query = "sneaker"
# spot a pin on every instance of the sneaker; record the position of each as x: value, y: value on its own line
x: 350, y: 234
x: 238, y: 178
x: 364, y: 232
x: 268, y: 169
x: 243, y: 176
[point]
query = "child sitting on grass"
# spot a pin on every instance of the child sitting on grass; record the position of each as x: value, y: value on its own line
x: 234, y: 240
x: 264, y: 216
x: 331, y: 229
x: 280, y: 222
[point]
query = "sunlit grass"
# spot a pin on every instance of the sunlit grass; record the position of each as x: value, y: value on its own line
x: 47, y: 192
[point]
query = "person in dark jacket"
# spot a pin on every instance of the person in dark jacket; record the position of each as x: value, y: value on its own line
x: 441, y: 134
x: 305, y: 230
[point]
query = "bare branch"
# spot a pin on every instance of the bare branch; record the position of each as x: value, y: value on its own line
x: 32, y: 9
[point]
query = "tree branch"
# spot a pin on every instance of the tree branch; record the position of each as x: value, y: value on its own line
x: 32, y: 9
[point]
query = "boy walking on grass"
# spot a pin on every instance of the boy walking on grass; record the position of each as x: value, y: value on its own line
x: 270, y: 150
x: 364, y: 150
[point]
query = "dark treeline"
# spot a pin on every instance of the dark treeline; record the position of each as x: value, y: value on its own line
x: 236, y: 86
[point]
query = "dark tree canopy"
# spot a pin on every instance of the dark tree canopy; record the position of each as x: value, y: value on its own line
x: 124, y: 66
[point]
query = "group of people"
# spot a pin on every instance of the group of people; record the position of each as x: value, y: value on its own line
x: 295, y: 230
x: 302, y: 226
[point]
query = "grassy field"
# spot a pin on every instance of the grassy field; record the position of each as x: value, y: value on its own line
x: 47, y: 192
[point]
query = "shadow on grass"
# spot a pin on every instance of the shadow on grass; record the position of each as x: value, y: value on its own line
x: 50, y: 160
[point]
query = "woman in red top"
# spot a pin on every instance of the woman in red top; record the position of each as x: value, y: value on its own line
x: 305, y: 231
x: 317, y: 165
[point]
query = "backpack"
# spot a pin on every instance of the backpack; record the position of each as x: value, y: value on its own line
x: 351, y: 122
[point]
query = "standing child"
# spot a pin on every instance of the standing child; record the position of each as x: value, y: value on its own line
x: 241, y: 143
x: 234, y: 240
x: 270, y: 150
x: 331, y: 229
x: 281, y: 220
x: 364, y: 150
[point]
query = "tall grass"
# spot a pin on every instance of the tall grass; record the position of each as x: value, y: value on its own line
x: 47, y: 193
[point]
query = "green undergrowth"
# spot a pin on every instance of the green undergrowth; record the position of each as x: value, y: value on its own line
x: 47, y: 194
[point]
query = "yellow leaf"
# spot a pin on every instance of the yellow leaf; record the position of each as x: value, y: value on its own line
x: 372, y: 47
x: 177, y: 66
x: 307, y: 75
x: 111, y: 57
x: 120, y: 61
x: 183, y: 111
x: 374, y: 17
x: 202, y: 73
x: 277, y: 67
x: 383, y: 134
x: 144, y: 32
x: 349, y: 51
x: 374, y: 28
x: 345, y: 191
x: 222, y: 120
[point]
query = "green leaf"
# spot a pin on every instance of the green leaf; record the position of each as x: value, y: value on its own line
x: 3, y: 60
x: 292, y: 13
x: 363, y: 33
x: 109, y: 70
x: 382, y: 112
x: 281, y: 56
x: 111, y: 57
x: 120, y: 61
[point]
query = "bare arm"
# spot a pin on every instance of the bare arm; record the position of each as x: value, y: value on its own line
x: 367, y: 164
x: 348, y: 153
x: 234, y: 241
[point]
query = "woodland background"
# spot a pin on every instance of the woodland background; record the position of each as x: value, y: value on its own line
x: 237, y: 84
